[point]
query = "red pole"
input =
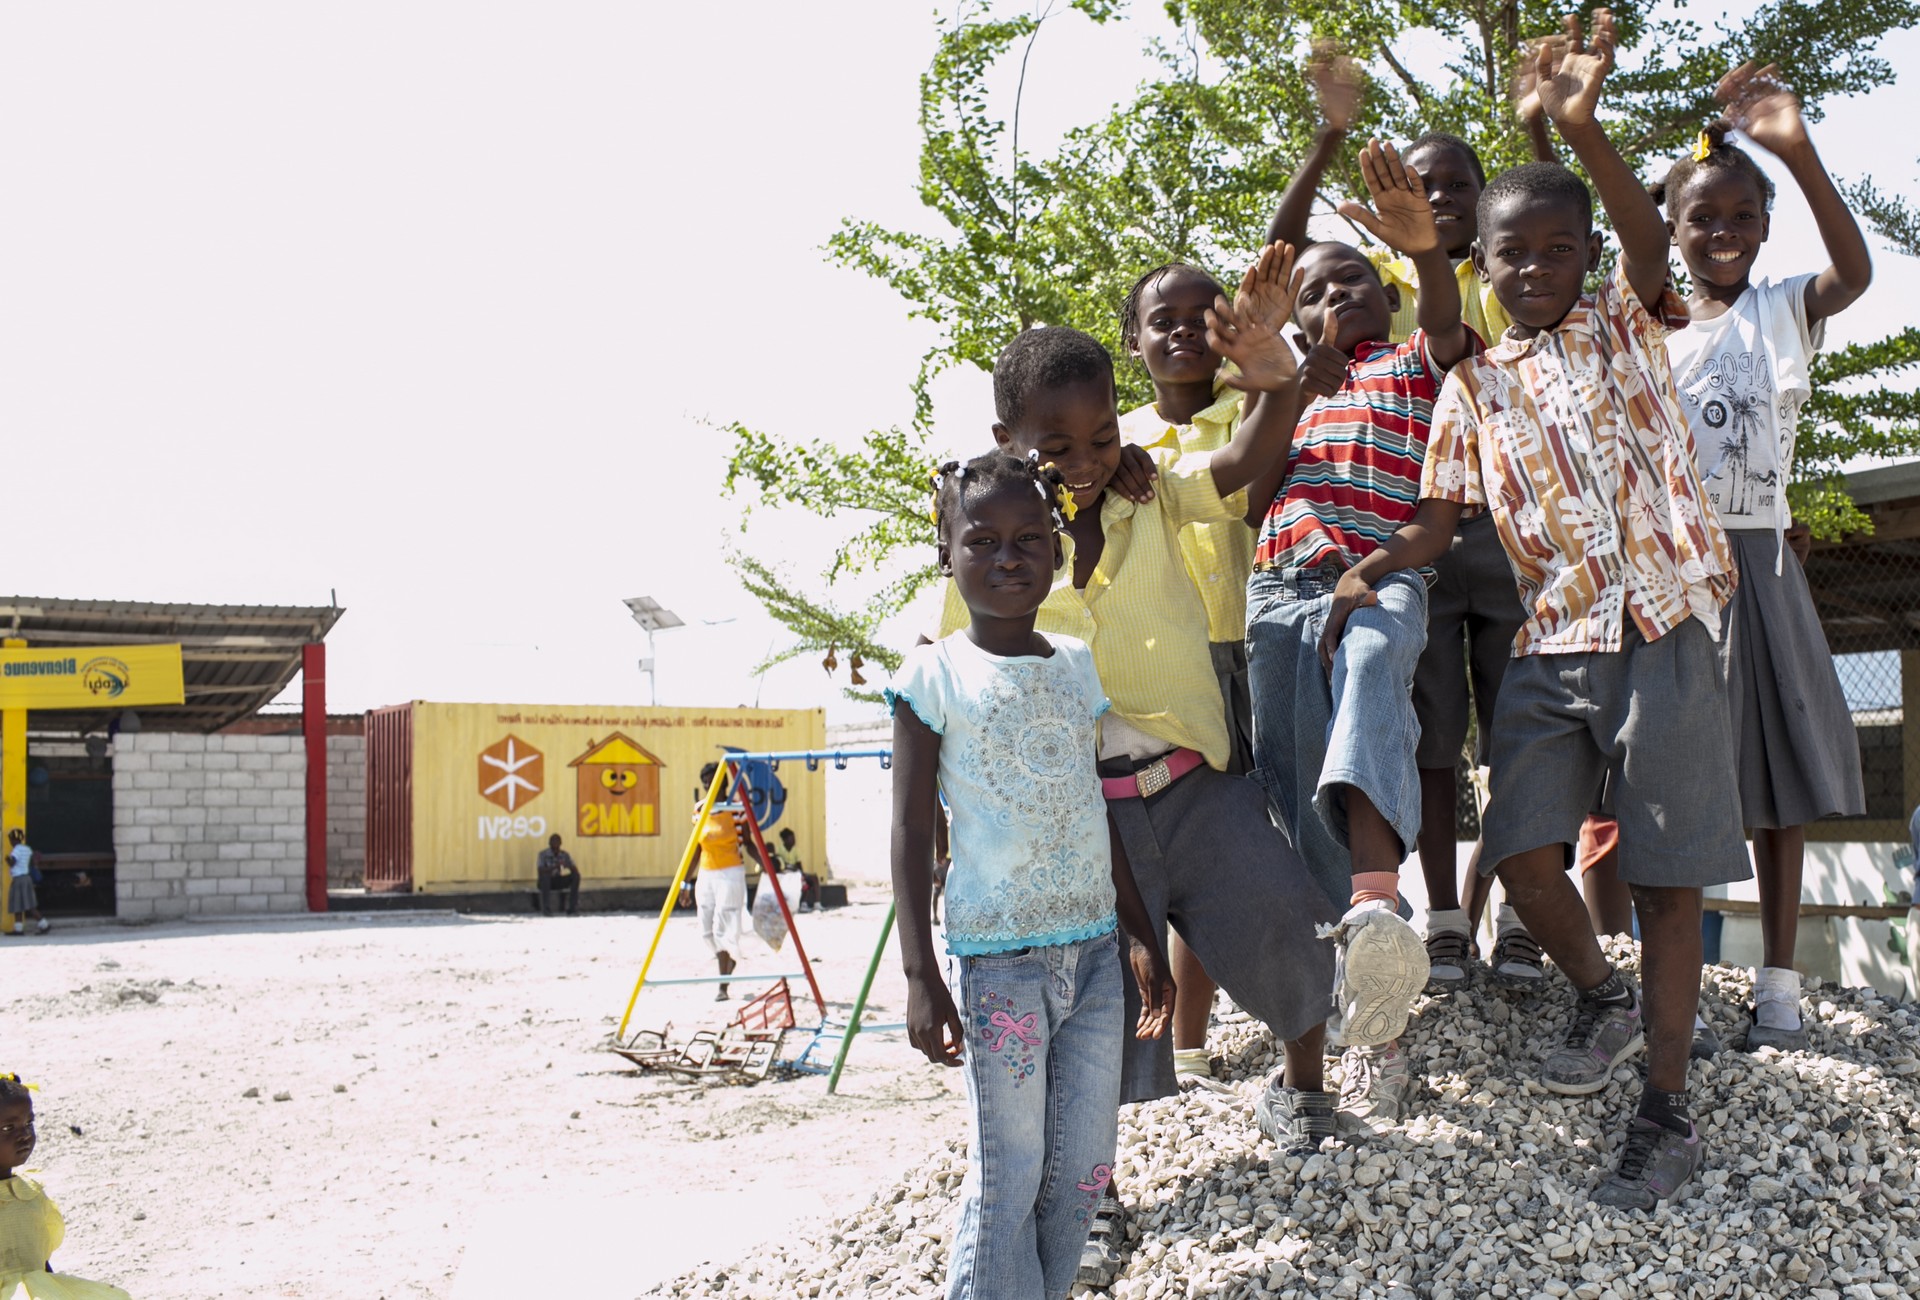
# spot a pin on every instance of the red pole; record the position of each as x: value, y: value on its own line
x: 313, y: 724
x: 743, y: 793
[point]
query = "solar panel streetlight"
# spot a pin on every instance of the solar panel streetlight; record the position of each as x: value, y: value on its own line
x: 652, y: 617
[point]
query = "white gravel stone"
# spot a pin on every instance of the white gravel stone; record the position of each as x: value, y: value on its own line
x: 1809, y: 1187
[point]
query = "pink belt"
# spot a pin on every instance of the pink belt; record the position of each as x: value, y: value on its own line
x: 1153, y: 778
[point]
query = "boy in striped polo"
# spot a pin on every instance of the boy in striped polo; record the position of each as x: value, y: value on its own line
x: 1334, y: 736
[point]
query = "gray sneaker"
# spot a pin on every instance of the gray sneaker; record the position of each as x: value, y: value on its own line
x: 1295, y: 1121
x: 1105, y: 1253
x: 1450, y: 960
x: 1517, y: 961
x: 1380, y: 967
x: 1602, y: 1035
x: 1374, y: 1084
x: 1654, y: 1166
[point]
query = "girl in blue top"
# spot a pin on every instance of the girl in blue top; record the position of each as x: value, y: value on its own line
x: 1000, y: 719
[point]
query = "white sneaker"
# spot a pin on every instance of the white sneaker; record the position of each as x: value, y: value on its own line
x: 1380, y: 967
x: 1374, y: 1083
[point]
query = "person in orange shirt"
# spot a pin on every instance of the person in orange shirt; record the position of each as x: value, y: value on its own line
x: 720, y: 892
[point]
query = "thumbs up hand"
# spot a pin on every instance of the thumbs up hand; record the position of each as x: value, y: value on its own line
x: 1324, y: 368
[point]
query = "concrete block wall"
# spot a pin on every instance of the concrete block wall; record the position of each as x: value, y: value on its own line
x: 208, y: 825
x: 346, y: 811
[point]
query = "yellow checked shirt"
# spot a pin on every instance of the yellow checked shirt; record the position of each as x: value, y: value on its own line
x: 1140, y: 611
x: 1478, y: 307
x: 1219, y: 556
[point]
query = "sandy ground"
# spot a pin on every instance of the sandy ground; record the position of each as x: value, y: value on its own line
x: 453, y: 1126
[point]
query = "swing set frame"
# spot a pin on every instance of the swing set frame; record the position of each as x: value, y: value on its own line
x: 749, y: 1047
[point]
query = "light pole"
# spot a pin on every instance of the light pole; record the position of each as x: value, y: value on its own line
x: 653, y: 617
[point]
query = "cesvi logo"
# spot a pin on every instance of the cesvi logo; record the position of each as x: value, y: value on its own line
x: 106, y: 676
x: 511, y: 772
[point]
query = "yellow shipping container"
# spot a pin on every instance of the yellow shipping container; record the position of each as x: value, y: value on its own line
x: 484, y: 785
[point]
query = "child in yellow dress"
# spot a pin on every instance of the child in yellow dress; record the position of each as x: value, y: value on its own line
x: 30, y: 1227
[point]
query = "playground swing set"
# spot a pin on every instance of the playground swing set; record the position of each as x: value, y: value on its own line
x: 748, y: 1049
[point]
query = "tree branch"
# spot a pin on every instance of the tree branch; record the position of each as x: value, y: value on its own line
x: 1414, y: 88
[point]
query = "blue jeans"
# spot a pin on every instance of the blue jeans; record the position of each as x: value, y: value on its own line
x: 1315, y: 735
x: 1042, y: 1065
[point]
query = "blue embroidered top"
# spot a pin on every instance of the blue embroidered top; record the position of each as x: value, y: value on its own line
x: 1031, y: 860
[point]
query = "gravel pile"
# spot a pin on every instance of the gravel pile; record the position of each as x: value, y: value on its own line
x: 1809, y: 1188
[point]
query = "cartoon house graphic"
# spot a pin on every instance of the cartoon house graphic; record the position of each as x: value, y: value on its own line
x: 619, y: 788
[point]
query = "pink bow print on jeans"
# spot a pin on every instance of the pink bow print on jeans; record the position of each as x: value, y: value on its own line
x: 1102, y: 1175
x: 1023, y: 1029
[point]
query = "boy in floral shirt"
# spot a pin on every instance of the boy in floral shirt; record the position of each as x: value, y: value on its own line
x: 1570, y: 433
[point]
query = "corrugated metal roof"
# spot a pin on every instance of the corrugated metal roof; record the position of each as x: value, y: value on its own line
x: 236, y: 658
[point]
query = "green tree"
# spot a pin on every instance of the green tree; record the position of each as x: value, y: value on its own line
x: 1189, y: 169
x: 1855, y: 411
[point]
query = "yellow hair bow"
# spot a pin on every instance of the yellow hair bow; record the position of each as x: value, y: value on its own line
x: 1063, y: 498
x: 1702, y: 147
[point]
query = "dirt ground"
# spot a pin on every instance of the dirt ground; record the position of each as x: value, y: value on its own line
x: 421, y: 1105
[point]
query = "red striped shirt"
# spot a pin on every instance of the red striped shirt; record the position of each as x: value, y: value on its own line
x: 1353, y: 474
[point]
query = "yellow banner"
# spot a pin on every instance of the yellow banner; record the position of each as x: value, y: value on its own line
x: 91, y: 677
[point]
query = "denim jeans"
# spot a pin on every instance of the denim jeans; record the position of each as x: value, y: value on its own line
x: 1315, y: 734
x: 1043, y: 1082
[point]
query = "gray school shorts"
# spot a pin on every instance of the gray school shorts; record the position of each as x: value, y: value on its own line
x: 1473, y: 612
x: 1649, y: 719
x: 1209, y: 860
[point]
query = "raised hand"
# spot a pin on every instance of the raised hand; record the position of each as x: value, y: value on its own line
x: 1324, y: 368
x: 1570, y: 70
x: 1760, y: 106
x: 1401, y: 218
x: 1247, y: 331
x: 1337, y: 83
x: 1526, y: 78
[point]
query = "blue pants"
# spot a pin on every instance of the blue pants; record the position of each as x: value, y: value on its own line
x: 1315, y: 735
x: 1043, y: 1082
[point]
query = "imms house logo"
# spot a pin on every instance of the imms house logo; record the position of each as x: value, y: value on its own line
x: 617, y: 782
x: 106, y: 676
x: 512, y: 772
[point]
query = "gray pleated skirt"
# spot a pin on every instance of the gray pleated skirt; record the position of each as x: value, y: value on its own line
x: 1798, y: 756
x: 21, y: 895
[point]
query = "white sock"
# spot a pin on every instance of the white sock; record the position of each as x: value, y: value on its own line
x: 1508, y: 919
x: 1776, y: 997
x: 1451, y: 921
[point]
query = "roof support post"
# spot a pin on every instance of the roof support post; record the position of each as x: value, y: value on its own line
x: 13, y: 773
x: 313, y: 725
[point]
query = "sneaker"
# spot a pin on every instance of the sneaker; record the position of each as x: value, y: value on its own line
x: 1380, y: 967
x: 1104, y: 1255
x: 1374, y: 1083
x: 1776, y: 1012
x: 1706, y: 1043
x: 1654, y: 1166
x: 1516, y: 960
x: 1296, y: 1122
x: 1450, y: 960
x: 1602, y: 1035
x: 42, y: 927
x: 1783, y: 1040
